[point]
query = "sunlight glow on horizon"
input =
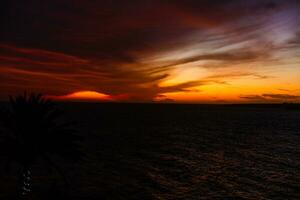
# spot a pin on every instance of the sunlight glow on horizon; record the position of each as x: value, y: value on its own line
x: 84, y: 96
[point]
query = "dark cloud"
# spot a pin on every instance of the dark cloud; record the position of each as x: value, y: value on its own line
x: 281, y: 96
x: 253, y: 97
x: 182, y: 87
x: 296, y: 40
x: 46, y: 71
x: 113, y: 29
x: 270, y: 97
x: 237, y: 75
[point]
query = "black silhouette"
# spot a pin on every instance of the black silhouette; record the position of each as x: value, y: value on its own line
x: 34, y: 130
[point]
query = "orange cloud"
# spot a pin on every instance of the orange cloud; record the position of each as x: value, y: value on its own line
x: 84, y: 96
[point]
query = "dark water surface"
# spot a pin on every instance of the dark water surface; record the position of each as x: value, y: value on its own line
x: 157, y: 151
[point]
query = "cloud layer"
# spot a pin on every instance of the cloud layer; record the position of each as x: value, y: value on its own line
x: 145, y: 50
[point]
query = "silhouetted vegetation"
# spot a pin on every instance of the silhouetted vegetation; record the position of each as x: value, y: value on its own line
x: 33, y: 130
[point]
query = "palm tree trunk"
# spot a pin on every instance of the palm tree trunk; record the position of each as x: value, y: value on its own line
x: 25, y: 181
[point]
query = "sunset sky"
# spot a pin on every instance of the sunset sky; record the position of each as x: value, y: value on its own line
x: 195, y: 51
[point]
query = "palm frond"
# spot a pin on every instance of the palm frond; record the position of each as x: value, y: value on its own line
x: 35, y: 127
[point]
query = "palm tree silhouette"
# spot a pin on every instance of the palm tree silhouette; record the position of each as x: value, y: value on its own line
x: 34, y: 130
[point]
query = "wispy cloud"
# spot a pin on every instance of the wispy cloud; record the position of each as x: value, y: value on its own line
x: 253, y: 97
x: 281, y: 96
x: 270, y: 97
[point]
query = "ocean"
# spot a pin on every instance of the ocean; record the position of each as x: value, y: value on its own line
x: 173, y: 151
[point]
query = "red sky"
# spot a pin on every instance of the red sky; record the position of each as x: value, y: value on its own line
x: 197, y: 51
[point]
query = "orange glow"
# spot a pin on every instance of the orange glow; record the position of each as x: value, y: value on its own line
x: 84, y: 96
